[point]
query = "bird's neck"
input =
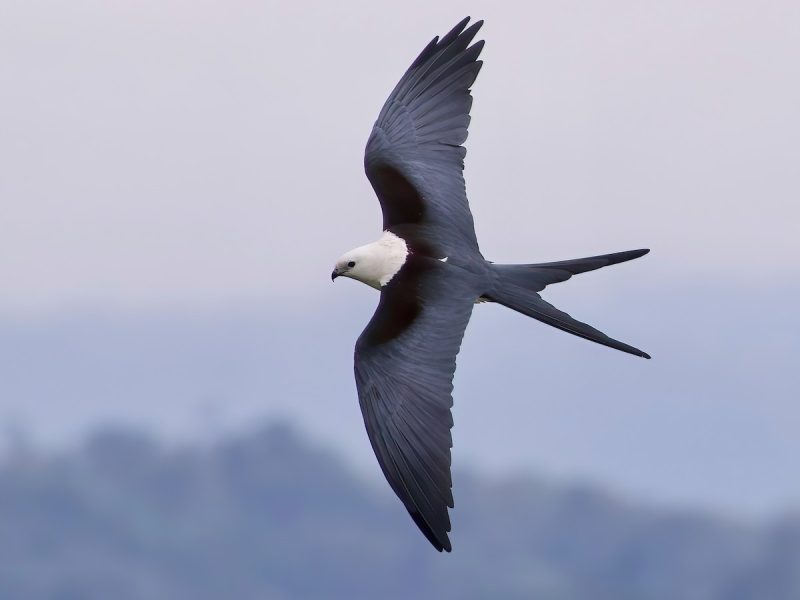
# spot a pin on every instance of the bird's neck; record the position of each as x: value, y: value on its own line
x: 384, y: 257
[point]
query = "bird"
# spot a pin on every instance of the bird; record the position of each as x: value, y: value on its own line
x: 430, y: 273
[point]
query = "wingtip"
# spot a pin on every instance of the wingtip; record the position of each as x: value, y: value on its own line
x: 455, y: 31
x: 439, y: 540
x: 473, y: 29
x: 461, y: 28
x: 444, y: 546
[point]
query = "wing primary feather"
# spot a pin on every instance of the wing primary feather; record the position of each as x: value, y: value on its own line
x: 401, y: 478
x: 440, y: 77
x: 431, y: 469
x: 446, y: 39
x: 429, y: 60
x: 435, y: 517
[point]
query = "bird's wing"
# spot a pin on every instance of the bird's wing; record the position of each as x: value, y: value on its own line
x: 414, y: 157
x: 404, y: 365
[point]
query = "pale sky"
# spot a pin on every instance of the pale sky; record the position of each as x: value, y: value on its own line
x: 187, y: 153
x: 190, y: 158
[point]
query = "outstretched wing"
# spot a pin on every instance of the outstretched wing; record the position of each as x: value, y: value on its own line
x: 404, y: 365
x: 414, y: 157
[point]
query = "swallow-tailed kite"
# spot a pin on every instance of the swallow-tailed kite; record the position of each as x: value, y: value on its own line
x: 430, y: 273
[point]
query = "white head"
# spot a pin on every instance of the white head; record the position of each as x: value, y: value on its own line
x: 374, y: 264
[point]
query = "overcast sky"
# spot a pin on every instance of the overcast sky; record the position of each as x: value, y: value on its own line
x: 180, y: 157
x: 191, y: 152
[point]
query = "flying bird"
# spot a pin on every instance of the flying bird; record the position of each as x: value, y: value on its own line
x: 430, y: 273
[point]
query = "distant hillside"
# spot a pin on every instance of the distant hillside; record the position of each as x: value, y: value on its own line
x: 268, y: 516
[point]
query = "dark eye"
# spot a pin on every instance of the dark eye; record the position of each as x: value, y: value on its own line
x: 351, y: 264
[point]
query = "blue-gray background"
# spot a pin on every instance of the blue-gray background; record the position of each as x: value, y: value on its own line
x: 178, y: 178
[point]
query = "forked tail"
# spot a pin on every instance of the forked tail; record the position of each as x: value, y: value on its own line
x: 516, y: 287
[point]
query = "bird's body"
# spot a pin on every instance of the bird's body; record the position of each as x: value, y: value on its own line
x: 430, y: 272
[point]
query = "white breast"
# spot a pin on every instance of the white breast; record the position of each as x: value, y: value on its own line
x: 393, y: 252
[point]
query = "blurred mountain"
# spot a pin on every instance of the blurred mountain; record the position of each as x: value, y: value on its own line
x: 267, y: 515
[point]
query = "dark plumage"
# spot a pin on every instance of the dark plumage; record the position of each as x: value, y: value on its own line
x: 431, y: 272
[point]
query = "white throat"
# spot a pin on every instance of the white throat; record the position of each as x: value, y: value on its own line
x: 380, y: 261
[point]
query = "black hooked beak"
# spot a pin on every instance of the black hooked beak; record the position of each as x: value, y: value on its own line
x: 335, y: 274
